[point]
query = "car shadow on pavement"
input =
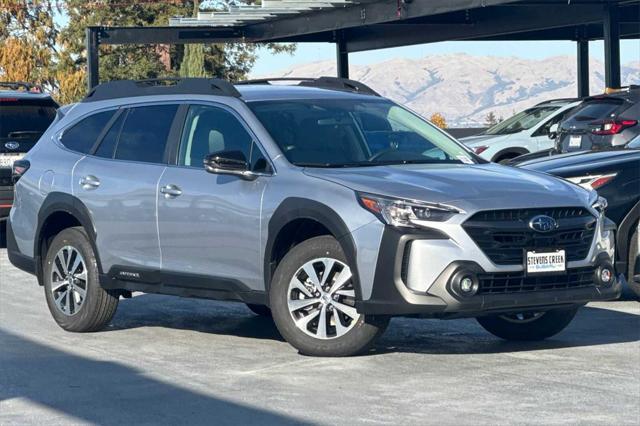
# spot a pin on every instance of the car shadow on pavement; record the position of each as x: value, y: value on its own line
x: 593, y: 326
x: 108, y: 393
x: 205, y: 316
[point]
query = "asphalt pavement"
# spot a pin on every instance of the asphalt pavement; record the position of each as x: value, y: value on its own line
x: 173, y: 361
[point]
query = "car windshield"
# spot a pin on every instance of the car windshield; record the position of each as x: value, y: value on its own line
x: 25, y: 119
x: 595, y: 110
x: 355, y: 133
x: 522, y: 121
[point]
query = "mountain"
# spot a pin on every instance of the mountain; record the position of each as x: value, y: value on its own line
x: 465, y: 88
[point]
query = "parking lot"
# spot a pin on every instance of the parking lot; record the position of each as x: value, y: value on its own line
x: 165, y: 359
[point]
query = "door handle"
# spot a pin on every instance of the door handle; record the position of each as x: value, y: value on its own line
x: 171, y: 191
x: 89, y: 182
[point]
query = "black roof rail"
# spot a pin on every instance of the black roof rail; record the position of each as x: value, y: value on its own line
x: 17, y: 85
x: 161, y: 86
x: 330, y: 83
x: 559, y: 100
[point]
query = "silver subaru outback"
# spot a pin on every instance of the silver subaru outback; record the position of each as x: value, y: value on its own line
x: 317, y: 202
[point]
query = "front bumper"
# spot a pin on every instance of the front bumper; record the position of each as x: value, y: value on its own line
x: 416, y: 270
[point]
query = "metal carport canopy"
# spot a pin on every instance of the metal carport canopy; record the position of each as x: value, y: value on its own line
x: 361, y: 25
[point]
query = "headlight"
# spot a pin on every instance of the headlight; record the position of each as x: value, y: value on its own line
x: 592, y: 182
x: 600, y: 204
x: 406, y: 213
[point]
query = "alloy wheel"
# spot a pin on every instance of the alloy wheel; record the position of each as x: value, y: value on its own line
x: 69, y: 280
x: 321, y: 299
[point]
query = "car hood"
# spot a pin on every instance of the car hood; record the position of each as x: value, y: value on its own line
x: 558, y: 164
x: 478, y: 140
x: 469, y: 187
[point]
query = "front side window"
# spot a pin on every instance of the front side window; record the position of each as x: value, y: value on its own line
x: 144, y: 133
x: 83, y: 135
x: 211, y: 129
x: 522, y: 121
x: 355, y: 133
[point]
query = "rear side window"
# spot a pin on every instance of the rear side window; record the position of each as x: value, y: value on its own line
x: 25, y: 119
x: 82, y: 136
x: 144, y: 133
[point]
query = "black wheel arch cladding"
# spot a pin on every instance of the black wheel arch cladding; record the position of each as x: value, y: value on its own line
x: 295, y: 208
x: 59, y: 202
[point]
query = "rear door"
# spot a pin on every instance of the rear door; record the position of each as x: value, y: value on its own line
x: 118, y: 184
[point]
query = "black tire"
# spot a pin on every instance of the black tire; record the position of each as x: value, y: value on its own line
x: 260, y: 310
x: 548, y: 324
x: 355, y: 341
x: 99, y: 305
x: 633, y: 254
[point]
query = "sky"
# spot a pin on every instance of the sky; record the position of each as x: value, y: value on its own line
x: 310, y: 52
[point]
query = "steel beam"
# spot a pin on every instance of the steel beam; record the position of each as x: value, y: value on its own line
x: 611, y: 29
x: 93, y: 65
x: 169, y: 35
x: 583, y: 68
x: 490, y: 22
x: 342, y: 58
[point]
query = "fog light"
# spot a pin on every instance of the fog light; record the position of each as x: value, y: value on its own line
x: 605, y: 275
x: 466, y: 284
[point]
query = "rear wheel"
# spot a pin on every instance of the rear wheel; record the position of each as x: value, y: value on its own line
x: 528, y: 325
x: 312, y: 299
x: 74, y: 296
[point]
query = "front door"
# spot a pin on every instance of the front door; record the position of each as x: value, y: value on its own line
x: 209, y: 224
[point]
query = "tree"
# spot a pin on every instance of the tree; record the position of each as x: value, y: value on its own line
x: 439, y: 120
x: 28, y: 41
x: 490, y: 119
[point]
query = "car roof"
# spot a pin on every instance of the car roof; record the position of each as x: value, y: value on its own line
x: 21, y: 94
x: 561, y: 101
x: 264, y: 92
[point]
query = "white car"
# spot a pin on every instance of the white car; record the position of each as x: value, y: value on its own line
x: 525, y: 132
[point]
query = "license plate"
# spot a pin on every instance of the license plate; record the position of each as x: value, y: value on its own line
x: 546, y: 262
x: 575, y: 141
x: 6, y: 160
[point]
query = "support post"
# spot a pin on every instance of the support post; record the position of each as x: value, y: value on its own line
x: 93, y: 77
x: 583, y: 68
x: 611, y: 28
x: 342, y: 57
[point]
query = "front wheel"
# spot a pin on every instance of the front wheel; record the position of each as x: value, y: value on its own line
x: 528, y: 325
x: 312, y: 299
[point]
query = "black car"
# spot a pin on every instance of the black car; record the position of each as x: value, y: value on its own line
x: 615, y: 174
x: 601, y: 122
x: 25, y: 113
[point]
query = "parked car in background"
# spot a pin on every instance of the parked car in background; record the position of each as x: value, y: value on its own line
x: 615, y: 174
x: 601, y: 122
x: 320, y: 203
x: 25, y: 113
x: 525, y: 132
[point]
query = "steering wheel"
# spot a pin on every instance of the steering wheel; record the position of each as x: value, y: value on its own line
x: 382, y: 153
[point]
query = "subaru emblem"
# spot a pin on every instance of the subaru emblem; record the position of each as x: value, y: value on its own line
x: 12, y: 145
x: 543, y: 223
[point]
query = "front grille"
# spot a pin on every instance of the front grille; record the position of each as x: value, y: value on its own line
x: 518, y: 282
x: 504, y: 235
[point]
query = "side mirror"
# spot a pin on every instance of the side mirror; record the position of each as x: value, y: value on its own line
x: 553, y: 131
x: 229, y: 163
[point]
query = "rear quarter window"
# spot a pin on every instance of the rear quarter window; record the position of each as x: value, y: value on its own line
x: 83, y: 135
